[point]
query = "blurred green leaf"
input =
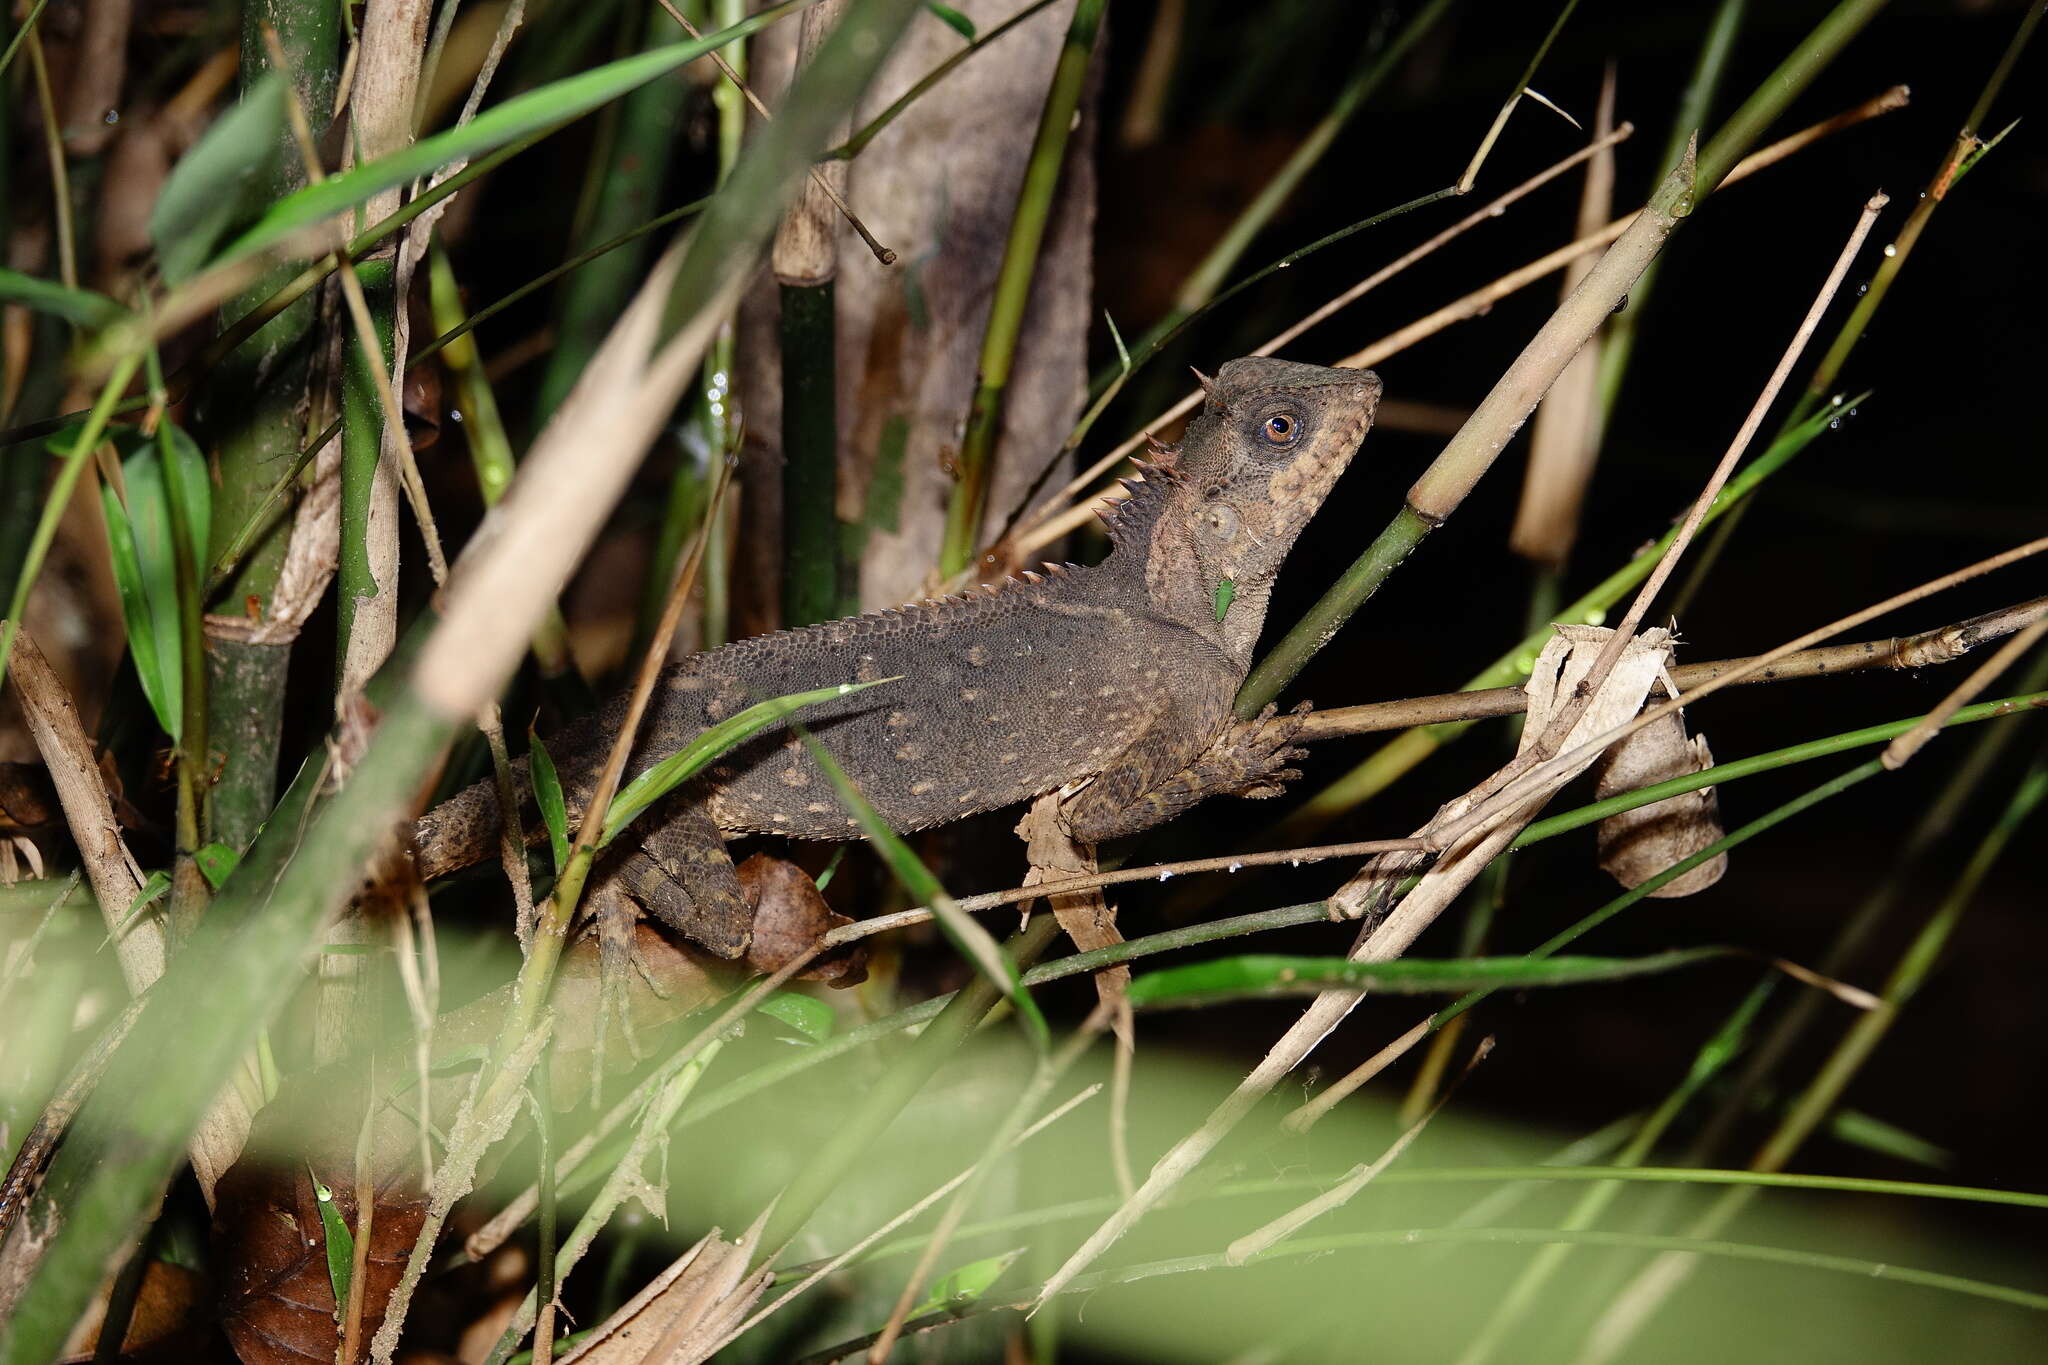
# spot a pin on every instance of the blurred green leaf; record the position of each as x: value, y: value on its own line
x: 1260, y: 974
x: 222, y: 183
x: 1873, y: 1134
x: 953, y: 19
x: 145, y: 571
x: 811, y: 1017
x: 216, y: 861
x: 968, y: 1284
x: 536, y: 111
x: 679, y: 767
x: 81, y: 306
x: 547, y: 794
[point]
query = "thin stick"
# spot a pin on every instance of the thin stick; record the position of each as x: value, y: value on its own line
x: 882, y: 253
x: 53, y: 144
x: 1929, y: 648
x: 1500, y: 120
x: 366, y: 330
x: 1471, y: 305
x: 1901, y: 750
x: 1618, y: 640
x: 1080, y: 482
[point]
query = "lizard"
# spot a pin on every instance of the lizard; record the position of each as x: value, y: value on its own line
x: 1112, y: 684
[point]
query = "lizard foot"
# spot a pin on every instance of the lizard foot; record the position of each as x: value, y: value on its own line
x: 683, y: 876
x: 1251, y: 758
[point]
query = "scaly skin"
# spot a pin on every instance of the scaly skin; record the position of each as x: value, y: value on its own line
x: 1115, y: 680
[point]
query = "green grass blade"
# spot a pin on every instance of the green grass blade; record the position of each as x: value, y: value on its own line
x: 1263, y: 974
x: 679, y: 767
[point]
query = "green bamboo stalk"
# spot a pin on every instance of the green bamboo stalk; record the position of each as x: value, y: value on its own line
x: 805, y: 263
x: 1013, y: 287
x: 1446, y: 482
x: 252, y: 420
x: 813, y: 577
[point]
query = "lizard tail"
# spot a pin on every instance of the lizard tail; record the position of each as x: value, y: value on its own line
x: 460, y: 831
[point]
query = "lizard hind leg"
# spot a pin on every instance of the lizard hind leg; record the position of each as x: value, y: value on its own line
x: 683, y: 876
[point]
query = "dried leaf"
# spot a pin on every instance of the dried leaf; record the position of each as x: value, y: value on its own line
x: 1638, y: 844
x: 789, y: 916
x: 681, y: 1317
x: 276, y: 1299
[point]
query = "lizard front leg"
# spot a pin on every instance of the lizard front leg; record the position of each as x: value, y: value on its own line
x: 682, y: 874
x: 1187, y: 755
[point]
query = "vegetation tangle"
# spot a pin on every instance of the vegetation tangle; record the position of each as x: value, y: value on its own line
x: 399, y: 402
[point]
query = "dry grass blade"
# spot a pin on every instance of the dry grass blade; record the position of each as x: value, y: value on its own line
x: 1340, y: 1194
x: 1715, y: 482
x: 1901, y: 750
x: 1054, y: 524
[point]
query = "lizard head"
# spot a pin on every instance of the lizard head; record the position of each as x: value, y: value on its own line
x: 1254, y: 466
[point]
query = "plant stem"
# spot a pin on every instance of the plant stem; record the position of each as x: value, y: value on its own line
x: 812, y: 575
x: 1013, y: 287
x: 252, y: 408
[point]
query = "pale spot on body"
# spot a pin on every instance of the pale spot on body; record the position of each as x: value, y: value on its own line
x: 910, y: 753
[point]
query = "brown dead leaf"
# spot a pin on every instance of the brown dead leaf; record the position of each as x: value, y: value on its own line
x: 789, y: 917
x: 683, y: 1315
x: 276, y: 1300
x: 169, y: 1322
x: 1638, y: 844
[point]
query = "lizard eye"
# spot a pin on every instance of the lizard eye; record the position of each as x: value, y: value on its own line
x: 1281, y: 429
